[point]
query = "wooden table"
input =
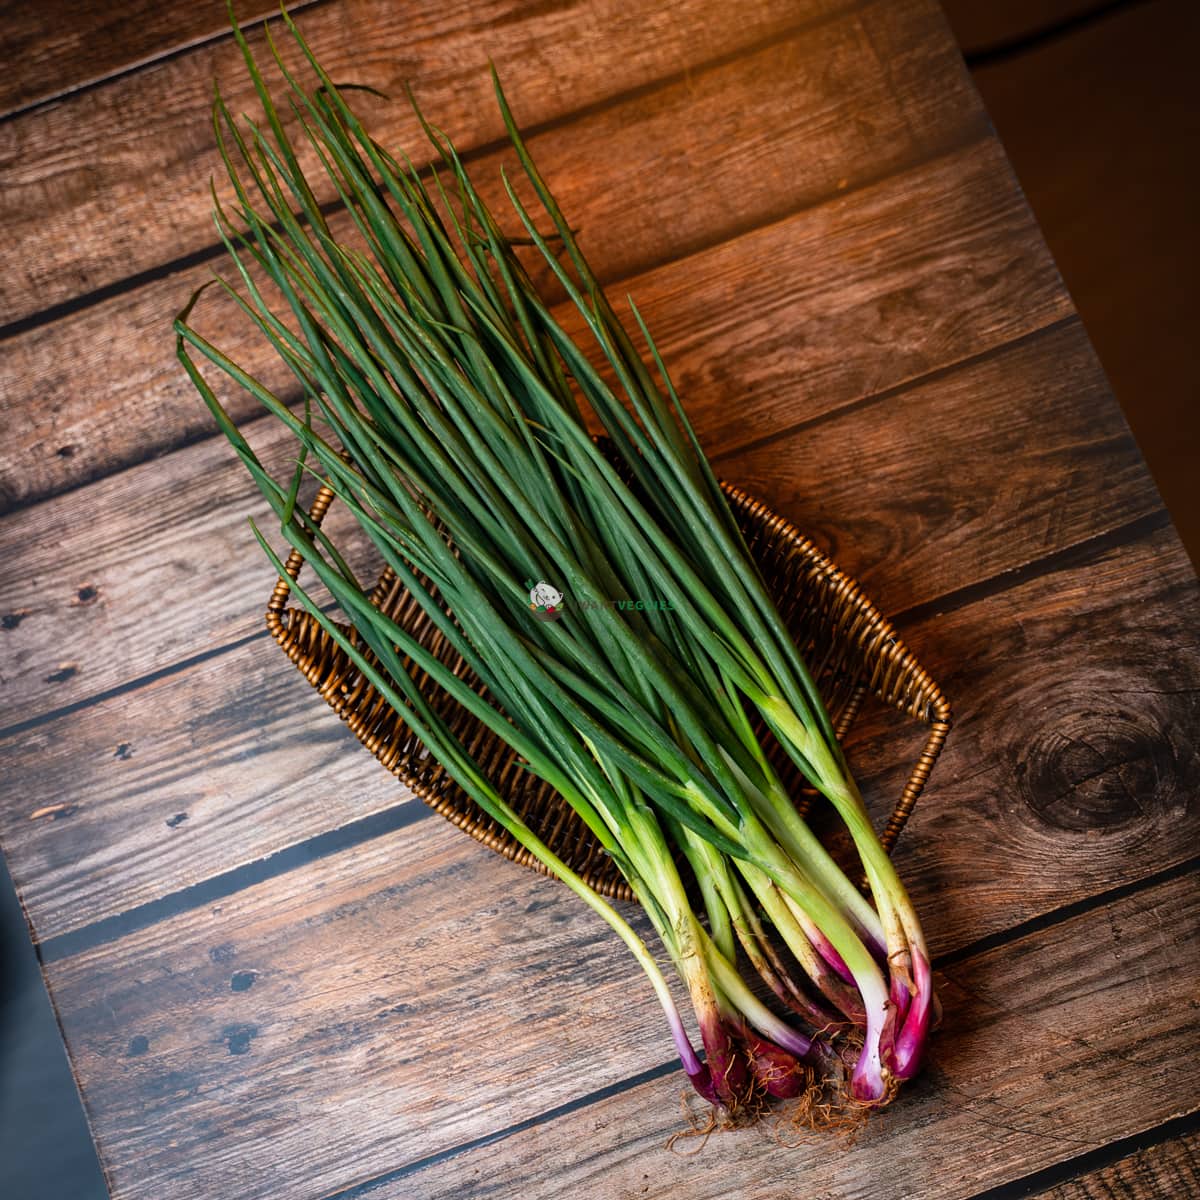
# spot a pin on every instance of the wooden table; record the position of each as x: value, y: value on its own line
x: 279, y: 976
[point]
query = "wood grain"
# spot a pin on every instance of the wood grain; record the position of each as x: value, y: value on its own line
x: 174, y: 572
x: 57, y: 46
x: 1071, y: 762
x: 851, y: 298
x: 367, y: 1009
x: 383, y: 1006
x: 1039, y: 1039
x: 982, y: 469
x: 99, y: 389
x: 869, y: 332
x: 1020, y: 818
x: 777, y: 340
x: 1162, y: 1172
x: 113, y: 183
x: 145, y: 794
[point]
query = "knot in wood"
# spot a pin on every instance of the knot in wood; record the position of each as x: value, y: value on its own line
x: 1100, y: 770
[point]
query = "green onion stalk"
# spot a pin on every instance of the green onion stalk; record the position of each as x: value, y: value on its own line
x: 445, y: 405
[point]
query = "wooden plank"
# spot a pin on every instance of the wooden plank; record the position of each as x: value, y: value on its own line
x: 114, y: 183
x: 851, y: 298
x: 1073, y: 758
x: 58, y: 46
x: 385, y: 1006
x: 1039, y: 1039
x: 258, y: 1044
x: 190, y: 776
x: 173, y: 570
x: 636, y: 205
x: 1010, y: 809
x: 174, y: 533
x: 1162, y: 1172
x: 268, y: 1016
x: 962, y: 477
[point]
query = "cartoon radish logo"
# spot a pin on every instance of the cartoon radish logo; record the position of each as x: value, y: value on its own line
x: 545, y: 601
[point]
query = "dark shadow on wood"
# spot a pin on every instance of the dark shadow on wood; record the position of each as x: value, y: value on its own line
x: 989, y: 55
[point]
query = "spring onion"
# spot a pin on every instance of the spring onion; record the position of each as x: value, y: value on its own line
x: 453, y: 417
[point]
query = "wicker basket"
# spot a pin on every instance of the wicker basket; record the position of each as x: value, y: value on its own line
x: 850, y: 648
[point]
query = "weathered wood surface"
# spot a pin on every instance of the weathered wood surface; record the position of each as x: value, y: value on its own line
x: 1050, y: 1047
x: 1029, y: 812
x: 494, y: 992
x: 98, y: 419
x: 1075, y: 757
x: 167, y: 575
x: 192, y: 775
x: 1163, y: 1172
x: 266, y: 1047
x: 978, y: 483
x: 786, y: 363
x: 58, y: 46
x: 126, y: 187
x: 306, y: 983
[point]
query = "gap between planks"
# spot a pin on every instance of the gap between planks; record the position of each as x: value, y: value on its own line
x: 109, y: 929
x: 722, y: 238
x: 123, y: 804
x: 1035, y: 1184
x: 1091, y: 967
x: 1098, y: 1165
x: 953, y: 597
x: 1055, y: 30
x: 485, y: 136
x: 1025, y: 1185
x: 910, y: 320
x: 153, y: 57
x: 744, y: 197
x: 851, y: 406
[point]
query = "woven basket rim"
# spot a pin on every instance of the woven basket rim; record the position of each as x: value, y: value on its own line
x: 896, y: 678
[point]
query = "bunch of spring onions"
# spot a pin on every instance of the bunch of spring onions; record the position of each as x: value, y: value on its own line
x: 451, y: 414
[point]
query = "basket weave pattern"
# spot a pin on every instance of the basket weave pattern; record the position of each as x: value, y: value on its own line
x: 850, y: 648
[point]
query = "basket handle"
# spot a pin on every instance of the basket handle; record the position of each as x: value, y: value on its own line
x: 295, y: 560
x: 939, y: 727
x: 937, y: 706
x: 928, y: 704
x: 935, y: 709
